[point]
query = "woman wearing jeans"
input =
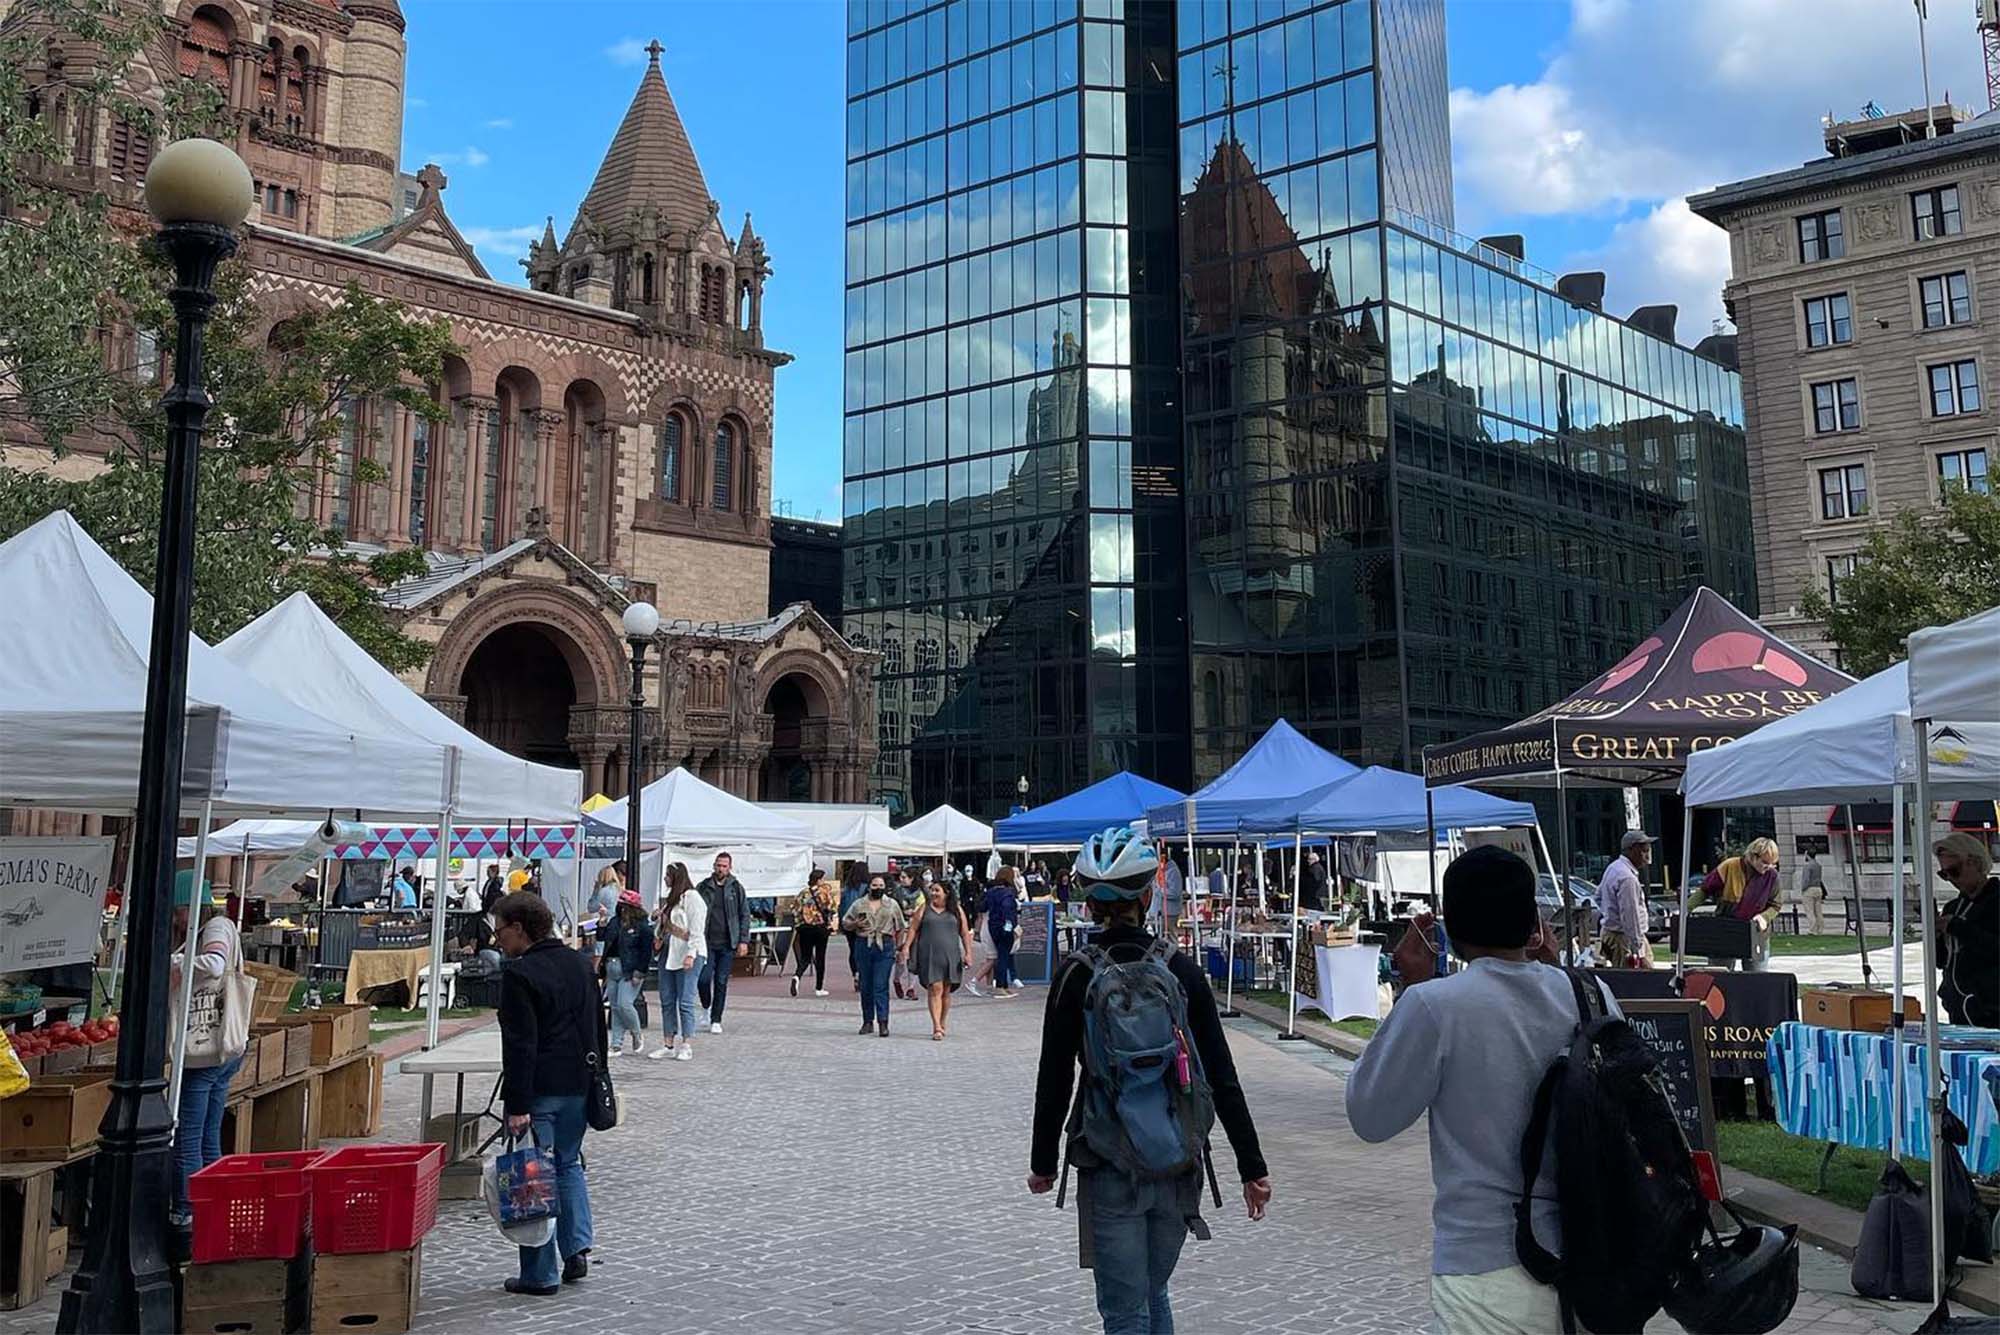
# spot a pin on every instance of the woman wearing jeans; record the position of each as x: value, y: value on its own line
x: 551, y: 1020
x: 218, y: 951
x: 684, y: 945
x: 1003, y: 911
x: 628, y: 954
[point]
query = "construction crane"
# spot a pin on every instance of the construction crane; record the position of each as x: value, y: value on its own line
x: 1989, y: 37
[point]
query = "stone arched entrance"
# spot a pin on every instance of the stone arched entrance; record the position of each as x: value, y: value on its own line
x: 519, y: 692
x: 798, y: 767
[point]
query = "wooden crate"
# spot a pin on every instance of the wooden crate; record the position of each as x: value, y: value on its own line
x: 268, y: 1043
x: 54, y: 1117
x: 370, y: 1291
x: 247, y: 1297
x: 25, y: 1206
x: 350, y: 1099
x: 336, y: 1030
x: 61, y: 1061
x: 274, y: 991
x: 281, y: 1118
x: 298, y: 1046
x: 58, y: 1257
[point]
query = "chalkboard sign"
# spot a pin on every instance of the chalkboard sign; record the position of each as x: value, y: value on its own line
x: 1034, y: 942
x: 1673, y: 1030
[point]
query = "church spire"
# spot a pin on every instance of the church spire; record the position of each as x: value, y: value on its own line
x: 650, y: 162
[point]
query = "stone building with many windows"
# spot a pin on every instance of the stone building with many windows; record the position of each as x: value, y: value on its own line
x: 609, y: 425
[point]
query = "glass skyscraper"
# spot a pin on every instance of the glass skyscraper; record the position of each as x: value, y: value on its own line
x: 1174, y: 406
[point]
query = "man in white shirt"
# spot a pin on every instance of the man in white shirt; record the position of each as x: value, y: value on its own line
x: 1621, y: 898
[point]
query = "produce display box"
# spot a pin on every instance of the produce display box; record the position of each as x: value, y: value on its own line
x: 248, y: 1297
x: 58, y: 1253
x: 1859, y: 1008
x: 274, y: 991
x: 350, y: 1099
x: 268, y: 1044
x: 54, y: 1117
x: 371, y: 1291
x: 298, y: 1049
x: 336, y: 1030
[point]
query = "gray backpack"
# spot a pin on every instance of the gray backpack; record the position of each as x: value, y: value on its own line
x: 1144, y: 1105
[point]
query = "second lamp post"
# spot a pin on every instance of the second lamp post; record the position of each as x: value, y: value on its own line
x: 642, y: 622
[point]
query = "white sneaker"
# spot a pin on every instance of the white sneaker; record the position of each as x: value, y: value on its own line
x: 615, y: 1053
x: 684, y: 1053
x: 820, y: 992
x: 715, y: 1026
x: 972, y: 988
x: 659, y: 1054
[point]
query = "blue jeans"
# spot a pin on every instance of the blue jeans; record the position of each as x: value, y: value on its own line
x: 1136, y: 1232
x: 677, y: 1002
x: 198, y: 1130
x: 715, y: 979
x: 558, y: 1125
x: 1003, y: 955
x: 877, y: 959
x: 623, y: 993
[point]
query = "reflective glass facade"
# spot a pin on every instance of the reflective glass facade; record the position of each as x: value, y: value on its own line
x: 1174, y: 407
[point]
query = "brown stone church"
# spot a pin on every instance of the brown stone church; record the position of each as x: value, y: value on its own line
x: 610, y: 424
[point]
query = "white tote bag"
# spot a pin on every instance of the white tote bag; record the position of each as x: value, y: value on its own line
x: 219, y: 1014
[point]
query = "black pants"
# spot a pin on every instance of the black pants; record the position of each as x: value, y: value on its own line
x: 809, y: 945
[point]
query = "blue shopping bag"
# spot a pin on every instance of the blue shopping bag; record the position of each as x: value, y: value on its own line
x: 520, y: 1189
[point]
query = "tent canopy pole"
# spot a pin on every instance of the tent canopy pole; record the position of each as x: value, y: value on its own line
x: 1933, y: 1061
x: 437, y: 931
x: 1897, y: 816
x: 1687, y: 879
x: 187, y: 960
x: 1860, y: 907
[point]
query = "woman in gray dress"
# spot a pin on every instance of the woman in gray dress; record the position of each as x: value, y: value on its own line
x: 942, y: 946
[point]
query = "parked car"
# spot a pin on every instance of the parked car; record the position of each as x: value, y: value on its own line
x: 1581, y: 892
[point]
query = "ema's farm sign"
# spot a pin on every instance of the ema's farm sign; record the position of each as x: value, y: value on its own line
x: 51, y: 900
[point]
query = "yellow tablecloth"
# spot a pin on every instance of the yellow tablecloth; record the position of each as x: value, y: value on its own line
x: 372, y: 968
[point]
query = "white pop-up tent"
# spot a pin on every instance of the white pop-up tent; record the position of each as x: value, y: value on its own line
x: 297, y: 651
x: 693, y: 821
x: 945, y: 830
x: 1873, y: 742
x: 870, y: 838
x: 73, y: 707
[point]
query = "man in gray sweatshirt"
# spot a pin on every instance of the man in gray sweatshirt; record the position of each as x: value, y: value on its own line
x: 1469, y: 1050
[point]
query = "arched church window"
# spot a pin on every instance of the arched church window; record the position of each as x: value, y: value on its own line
x: 723, y: 475
x: 673, y: 432
x: 346, y: 450
x: 420, y: 479
x: 205, y: 47
x: 131, y: 149
x: 646, y: 280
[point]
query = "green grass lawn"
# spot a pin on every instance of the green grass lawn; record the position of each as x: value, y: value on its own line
x: 1761, y: 1148
x: 1828, y: 944
x: 1357, y: 1027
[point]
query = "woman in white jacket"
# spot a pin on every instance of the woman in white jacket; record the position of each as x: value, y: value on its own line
x: 683, y: 946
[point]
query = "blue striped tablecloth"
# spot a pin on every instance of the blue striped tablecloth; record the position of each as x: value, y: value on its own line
x: 1833, y: 1084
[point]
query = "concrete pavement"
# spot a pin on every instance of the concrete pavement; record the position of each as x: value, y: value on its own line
x: 796, y: 1177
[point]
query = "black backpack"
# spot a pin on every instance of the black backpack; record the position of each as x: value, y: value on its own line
x: 1626, y: 1190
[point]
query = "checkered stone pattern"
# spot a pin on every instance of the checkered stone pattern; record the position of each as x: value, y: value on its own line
x: 798, y: 1179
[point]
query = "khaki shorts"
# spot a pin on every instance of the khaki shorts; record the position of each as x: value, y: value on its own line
x: 1499, y: 1302
x: 1615, y: 946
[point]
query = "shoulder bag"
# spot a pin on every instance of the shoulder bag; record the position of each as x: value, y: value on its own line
x: 219, y: 1016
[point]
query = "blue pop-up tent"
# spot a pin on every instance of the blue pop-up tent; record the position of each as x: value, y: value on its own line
x: 1281, y: 765
x: 1379, y: 799
x: 1068, y: 821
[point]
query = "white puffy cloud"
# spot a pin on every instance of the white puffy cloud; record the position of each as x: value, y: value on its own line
x: 469, y: 156
x: 1644, y: 100
x: 509, y: 243
x: 500, y: 123
x: 626, y: 51
x: 1666, y: 255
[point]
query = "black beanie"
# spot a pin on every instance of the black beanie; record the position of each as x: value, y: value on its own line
x: 1489, y: 899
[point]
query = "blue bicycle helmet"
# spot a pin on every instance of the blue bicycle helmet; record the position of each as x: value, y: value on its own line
x: 1116, y: 863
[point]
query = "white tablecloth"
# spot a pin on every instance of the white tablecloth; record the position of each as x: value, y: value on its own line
x: 1347, y: 982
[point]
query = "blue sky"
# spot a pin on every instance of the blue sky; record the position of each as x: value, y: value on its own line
x: 1579, y: 123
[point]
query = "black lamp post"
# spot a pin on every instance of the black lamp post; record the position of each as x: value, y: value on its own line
x: 199, y: 191
x: 642, y: 621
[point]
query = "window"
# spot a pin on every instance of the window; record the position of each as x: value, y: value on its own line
x: 1843, y: 492
x: 1935, y: 212
x: 145, y: 356
x: 131, y: 150
x: 1836, y: 405
x: 1820, y: 237
x: 343, y: 465
x: 1954, y: 388
x: 1947, y: 299
x: 489, y: 502
x: 1963, y: 468
x: 723, y: 491
x: 420, y: 479
x: 291, y: 204
x: 1828, y: 321
x: 1838, y: 568
x: 671, y: 467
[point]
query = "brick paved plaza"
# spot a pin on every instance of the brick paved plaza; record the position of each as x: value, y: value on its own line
x: 796, y: 1179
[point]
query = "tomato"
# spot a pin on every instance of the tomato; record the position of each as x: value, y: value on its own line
x: 59, y: 1027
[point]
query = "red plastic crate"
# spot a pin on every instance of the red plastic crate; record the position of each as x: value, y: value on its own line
x: 374, y: 1198
x: 250, y: 1207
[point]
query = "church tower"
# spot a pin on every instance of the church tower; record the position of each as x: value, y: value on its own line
x: 370, y: 142
x: 648, y: 239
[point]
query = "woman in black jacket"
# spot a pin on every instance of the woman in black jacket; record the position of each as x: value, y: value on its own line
x: 627, y: 939
x: 551, y: 1019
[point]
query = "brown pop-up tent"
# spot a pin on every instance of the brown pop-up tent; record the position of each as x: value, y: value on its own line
x: 1707, y: 676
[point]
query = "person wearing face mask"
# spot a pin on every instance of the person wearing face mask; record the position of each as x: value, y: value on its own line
x: 877, y: 922
x: 1969, y: 932
x: 1747, y: 888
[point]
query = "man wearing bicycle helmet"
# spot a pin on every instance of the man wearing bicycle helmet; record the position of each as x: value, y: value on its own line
x: 1131, y: 1226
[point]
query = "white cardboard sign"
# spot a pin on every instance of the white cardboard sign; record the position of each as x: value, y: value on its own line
x: 51, y: 900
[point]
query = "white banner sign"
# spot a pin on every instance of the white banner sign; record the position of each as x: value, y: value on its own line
x: 1520, y: 842
x: 764, y: 872
x: 51, y: 900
